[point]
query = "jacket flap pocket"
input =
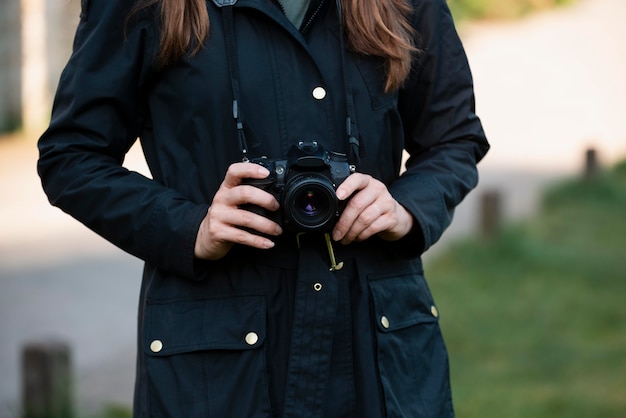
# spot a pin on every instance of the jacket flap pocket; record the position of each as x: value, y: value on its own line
x: 401, y: 301
x: 219, y: 323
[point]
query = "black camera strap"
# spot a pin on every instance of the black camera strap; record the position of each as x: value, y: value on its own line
x: 233, y: 67
x: 352, y: 133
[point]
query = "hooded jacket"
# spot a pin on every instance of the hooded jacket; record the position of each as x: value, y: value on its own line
x: 266, y: 333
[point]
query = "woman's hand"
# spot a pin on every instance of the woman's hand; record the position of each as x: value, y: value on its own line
x: 371, y: 210
x: 222, y: 226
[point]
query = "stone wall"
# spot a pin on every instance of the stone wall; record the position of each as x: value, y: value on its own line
x: 62, y: 17
x: 31, y: 59
x: 10, y: 58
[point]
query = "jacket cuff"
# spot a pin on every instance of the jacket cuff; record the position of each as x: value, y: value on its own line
x: 412, y: 245
x: 174, y: 228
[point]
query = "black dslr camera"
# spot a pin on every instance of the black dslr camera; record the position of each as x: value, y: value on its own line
x: 304, y: 184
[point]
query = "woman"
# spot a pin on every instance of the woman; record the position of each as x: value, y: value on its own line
x: 244, y: 312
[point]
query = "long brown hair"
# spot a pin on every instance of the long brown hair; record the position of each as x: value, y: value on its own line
x: 374, y: 27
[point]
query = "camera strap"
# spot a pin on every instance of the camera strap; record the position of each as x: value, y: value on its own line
x: 233, y: 67
x: 352, y: 133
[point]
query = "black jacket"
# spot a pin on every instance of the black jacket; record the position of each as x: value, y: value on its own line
x: 266, y: 333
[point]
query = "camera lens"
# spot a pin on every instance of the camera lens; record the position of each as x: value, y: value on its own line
x: 310, y: 203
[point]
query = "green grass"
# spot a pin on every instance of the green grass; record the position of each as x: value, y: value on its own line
x: 535, y: 318
x: 115, y: 411
x: 499, y: 9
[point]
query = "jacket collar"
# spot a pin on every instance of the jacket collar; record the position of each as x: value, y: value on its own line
x: 222, y: 3
x: 273, y: 11
x: 315, y: 6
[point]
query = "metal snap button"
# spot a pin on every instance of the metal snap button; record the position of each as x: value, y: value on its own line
x: 319, y: 93
x: 156, y: 346
x: 434, y: 311
x: 252, y: 338
x: 384, y: 321
x: 317, y: 287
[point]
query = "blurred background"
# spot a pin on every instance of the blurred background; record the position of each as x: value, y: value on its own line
x: 530, y: 278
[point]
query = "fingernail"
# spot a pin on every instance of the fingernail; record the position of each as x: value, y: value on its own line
x: 341, y: 194
x: 263, y: 171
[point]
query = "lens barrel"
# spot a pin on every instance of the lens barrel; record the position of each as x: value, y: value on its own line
x: 310, y: 202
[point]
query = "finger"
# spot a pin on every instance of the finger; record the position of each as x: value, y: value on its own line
x: 351, y: 184
x: 242, y: 218
x: 240, y: 236
x: 366, y: 224
x: 393, y: 224
x: 238, y: 171
x: 402, y: 224
x: 356, y: 205
x: 239, y: 195
x: 252, y: 195
x: 221, y: 233
x: 253, y: 221
x: 378, y: 226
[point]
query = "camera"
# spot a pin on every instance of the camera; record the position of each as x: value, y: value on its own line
x: 304, y: 184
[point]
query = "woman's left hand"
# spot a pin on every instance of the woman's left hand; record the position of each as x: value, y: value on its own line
x: 371, y: 210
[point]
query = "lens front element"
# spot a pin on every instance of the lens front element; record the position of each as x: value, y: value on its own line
x: 310, y: 203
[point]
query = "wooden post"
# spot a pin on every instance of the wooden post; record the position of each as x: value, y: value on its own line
x: 490, y: 214
x: 47, y: 380
x: 592, y: 166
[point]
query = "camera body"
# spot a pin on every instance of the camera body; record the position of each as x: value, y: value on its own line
x: 304, y: 184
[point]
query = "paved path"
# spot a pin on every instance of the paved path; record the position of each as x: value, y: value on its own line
x: 552, y: 85
x: 547, y: 88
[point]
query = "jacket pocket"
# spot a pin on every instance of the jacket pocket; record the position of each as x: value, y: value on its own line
x: 205, y: 357
x: 412, y: 358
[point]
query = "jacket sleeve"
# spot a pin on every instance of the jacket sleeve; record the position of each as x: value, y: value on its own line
x: 443, y: 136
x: 98, y: 112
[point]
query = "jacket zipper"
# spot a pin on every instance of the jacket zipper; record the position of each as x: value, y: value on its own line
x: 312, y: 17
x: 280, y: 6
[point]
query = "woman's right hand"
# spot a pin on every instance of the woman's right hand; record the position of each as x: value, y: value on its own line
x: 224, y: 224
